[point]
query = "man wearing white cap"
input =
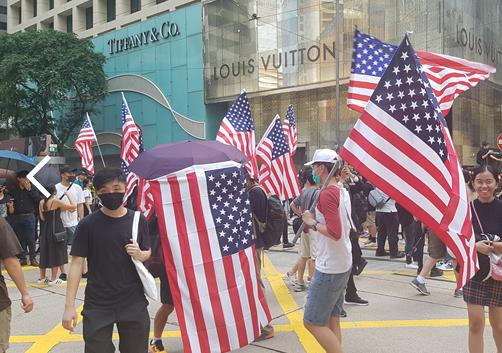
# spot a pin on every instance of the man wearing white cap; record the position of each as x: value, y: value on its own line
x: 331, y: 227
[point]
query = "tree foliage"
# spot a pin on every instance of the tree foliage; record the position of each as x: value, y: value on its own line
x: 48, y: 80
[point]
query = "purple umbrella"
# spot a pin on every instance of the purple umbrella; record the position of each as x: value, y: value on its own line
x: 171, y: 157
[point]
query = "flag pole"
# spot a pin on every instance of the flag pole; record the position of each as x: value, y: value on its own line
x: 332, y: 172
x: 97, y: 143
x: 337, y: 87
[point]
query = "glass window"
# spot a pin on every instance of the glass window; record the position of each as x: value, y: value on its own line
x: 51, y: 25
x: 160, y: 1
x: 34, y: 8
x: 69, y: 23
x: 88, y: 18
x: 51, y: 4
x: 19, y: 15
x: 3, y: 26
x: 3, y: 10
x: 135, y: 6
x: 110, y: 10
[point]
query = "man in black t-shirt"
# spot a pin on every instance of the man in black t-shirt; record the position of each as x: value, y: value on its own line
x: 114, y: 292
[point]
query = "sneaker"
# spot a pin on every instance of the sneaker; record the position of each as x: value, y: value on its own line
x: 445, y: 266
x: 458, y: 293
x: 56, y: 281
x: 356, y: 301
x: 23, y: 262
x: 266, y: 333
x: 409, y: 260
x: 420, y: 287
x: 384, y: 253
x: 156, y: 347
x: 43, y: 280
x: 370, y: 241
x: 288, y: 245
x: 84, y: 275
x: 412, y: 266
x: 63, y: 277
x: 343, y: 313
x: 290, y: 277
x: 436, y: 272
x: 364, y: 234
x: 34, y: 262
x: 399, y: 255
x: 359, y: 268
x: 300, y: 287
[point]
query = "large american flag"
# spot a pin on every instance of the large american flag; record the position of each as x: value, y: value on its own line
x: 83, y: 144
x: 278, y: 173
x: 449, y: 76
x: 237, y: 129
x: 210, y: 257
x: 289, y: 126
x: 131, y: 146
x: 402, y: 145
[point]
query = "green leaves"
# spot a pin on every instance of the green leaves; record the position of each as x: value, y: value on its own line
x: 48, y: 71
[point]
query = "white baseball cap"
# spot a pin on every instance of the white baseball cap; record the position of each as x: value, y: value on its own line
x: 324, y: 155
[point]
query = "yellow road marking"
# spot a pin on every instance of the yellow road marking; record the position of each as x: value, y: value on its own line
x: 48, y: 341
x: 24, y: 268
x: 288, y: 304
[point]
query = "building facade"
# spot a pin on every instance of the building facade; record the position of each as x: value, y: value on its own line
x: 3, y: 16
x: 154, y: 56
x: 284, y: 52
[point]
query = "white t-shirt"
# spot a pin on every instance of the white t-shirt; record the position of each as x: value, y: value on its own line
x: 334, y: 256
x: 70, y: 219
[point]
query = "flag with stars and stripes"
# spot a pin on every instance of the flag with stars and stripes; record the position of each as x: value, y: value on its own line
x: 449, y: 76
x: 402, y: 145
x: 237, y: 129
x: 131, y: 146
x: 278, y: 174
x: 206, y: 231
x: 83, y: 144
x: 289, y: 126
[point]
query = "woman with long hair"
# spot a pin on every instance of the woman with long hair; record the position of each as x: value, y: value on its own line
x: 483, y: 290
x: 53, y: 249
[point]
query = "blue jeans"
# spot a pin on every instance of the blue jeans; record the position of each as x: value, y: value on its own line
x: 24, y: 226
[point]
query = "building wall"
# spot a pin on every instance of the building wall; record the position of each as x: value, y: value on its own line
x: 58, y: 14
x: 305, y: 32
x: 3, y: 16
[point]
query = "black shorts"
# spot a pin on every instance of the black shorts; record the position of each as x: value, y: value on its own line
x: 165, y: 291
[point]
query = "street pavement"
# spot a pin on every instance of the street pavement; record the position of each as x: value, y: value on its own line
x: 398, y: 318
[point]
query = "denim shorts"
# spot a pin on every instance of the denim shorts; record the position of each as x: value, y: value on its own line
x: 325, y: 297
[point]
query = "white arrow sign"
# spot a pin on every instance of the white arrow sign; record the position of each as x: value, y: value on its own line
x: 31, y: 176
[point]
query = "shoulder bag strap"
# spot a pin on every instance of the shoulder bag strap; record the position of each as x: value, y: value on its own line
x: 135, y: 223
x: 477, y: 217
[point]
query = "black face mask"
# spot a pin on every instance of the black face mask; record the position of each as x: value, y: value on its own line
x: 70, y: 178
x: 112, y: 200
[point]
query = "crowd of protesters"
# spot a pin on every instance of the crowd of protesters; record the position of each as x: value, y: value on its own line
x: 330, y: 219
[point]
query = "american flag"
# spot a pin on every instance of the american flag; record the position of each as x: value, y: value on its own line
x: 83, y: 144
x: 278, y: 174
x: 145, y: 198
x: 402, y: 145
x: 131, y: 146
x: 449, y: 76
x: 289, y: 126
x: 237, y: 129
x: 210, y: 256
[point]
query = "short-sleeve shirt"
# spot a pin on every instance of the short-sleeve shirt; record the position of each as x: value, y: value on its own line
x: 3, y: 206
x: 306, y: 198
x: 112, y: 281
x: 9, y: 247
x: 70, y: 219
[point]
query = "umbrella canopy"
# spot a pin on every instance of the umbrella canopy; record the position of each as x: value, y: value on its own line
x: 12, y: 160
x: 172, y: 157
x: 48, y: 175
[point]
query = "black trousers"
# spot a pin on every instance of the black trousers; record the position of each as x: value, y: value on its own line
x: 387, y: 225
x: 356, y: 249
x: 133, y: 325
x: 285, y: 230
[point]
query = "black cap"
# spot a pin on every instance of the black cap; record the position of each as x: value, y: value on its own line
x: 66, y: 169
x: 81, y: 172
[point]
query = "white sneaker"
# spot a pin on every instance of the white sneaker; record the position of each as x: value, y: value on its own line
x: 445, y: 266
x: 413, y: 266
x: 57, y: 281
x: 290, y: 277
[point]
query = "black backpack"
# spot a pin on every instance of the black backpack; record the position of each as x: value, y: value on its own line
x: 271, y: 230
